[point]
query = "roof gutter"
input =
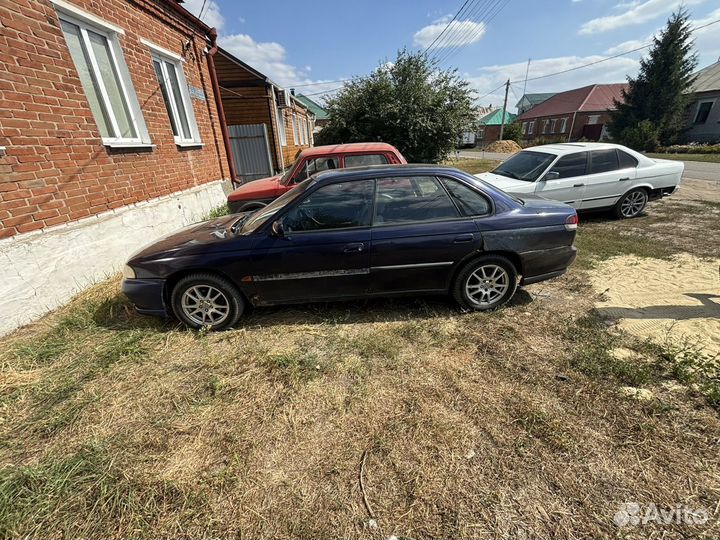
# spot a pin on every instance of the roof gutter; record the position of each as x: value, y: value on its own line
x: 218, y: 102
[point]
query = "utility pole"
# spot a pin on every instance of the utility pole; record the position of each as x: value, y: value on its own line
x: 502, y: 125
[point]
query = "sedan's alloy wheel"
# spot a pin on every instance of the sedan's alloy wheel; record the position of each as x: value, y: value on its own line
x: 205, y: 305
x: 633, y: 203
x: 487, y: 285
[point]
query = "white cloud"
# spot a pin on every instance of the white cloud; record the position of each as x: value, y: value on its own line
x: 270, y: 58
x: 211, y: 14
x: 635, y: 13
x: 458, y: 33
x: 491, y: 77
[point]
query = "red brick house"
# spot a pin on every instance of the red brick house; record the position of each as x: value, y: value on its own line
x: 572, y: 115
x: 112, y: 135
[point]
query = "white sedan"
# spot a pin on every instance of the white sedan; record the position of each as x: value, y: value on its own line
x: 588, y: 176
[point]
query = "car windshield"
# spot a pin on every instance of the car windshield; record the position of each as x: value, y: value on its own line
x: 263, y: 214
x: 526, y: 165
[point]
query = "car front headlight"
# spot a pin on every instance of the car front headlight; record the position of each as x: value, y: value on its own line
x: 128, y: 272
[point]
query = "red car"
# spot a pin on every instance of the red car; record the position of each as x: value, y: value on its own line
x: 258, y: 193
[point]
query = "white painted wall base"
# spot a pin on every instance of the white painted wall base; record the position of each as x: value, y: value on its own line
x: 42, y: 270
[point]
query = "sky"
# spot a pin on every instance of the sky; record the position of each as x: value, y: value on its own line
x: 312, y: 45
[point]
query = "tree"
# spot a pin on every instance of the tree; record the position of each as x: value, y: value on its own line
x: 410, y: 104
x: 659, y: 93
x: 513, y: 132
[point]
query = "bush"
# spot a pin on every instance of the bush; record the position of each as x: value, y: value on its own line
x: 690, y: 149
x: 642, y: 137
x: 513, y: 132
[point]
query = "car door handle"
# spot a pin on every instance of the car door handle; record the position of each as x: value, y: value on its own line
x: 464, y: 239
x: 623, y: 179
x: 578, y: 185
x: 354, y: 248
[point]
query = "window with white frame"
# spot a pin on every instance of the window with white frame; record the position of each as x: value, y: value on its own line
x: 593, y: 119
x: 303, y: 135
x: 703, y: 111
x: 531, y: 127
x: 175, y: 93
x: 563, y: 125
x: 98, y: 59
x: 546, y: 124
x: 281, y: 126
x: 553, y: 124
x: 295, y: 128
x: 524, y: 127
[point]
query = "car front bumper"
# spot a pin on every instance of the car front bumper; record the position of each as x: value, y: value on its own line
x: 148, y: 295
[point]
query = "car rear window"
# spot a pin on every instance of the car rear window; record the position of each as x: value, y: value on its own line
x: 626, y: 160
x: 365, y: 159
x: 469, y: 201
x: 419, y: 198
x: 603, y: 161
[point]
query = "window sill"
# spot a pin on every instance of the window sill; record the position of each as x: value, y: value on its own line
x: 128, y: 144
x: 189, y: 144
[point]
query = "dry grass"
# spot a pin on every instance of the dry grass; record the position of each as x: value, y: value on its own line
x: 507, y: 424
x: 470, y: 165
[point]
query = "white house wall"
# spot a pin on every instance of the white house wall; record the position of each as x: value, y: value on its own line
x: 40, y: 271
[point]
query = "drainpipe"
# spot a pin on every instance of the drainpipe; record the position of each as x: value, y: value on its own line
x: 218, y: 103
x: 572, y: 125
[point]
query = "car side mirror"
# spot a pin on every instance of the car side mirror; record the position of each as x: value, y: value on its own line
x: 552, y: 175
x: 278, y: 229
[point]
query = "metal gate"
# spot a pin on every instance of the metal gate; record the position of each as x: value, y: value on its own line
x: 250, y: 151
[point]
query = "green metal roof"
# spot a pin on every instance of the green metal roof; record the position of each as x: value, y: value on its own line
x: 495, y: 118
x: 317, y: 110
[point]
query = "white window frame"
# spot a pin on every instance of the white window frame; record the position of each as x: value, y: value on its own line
x: 280, y: 123
x: 546, y: 126
x: 300, y: 131
x: 531, y: 127
x: 593, y: 119
x: 293, y: 117
x: 563, y: 125
x: 553, y: 125
x: 86, y: 21
x: 161, y: 55
x: 525, y: 127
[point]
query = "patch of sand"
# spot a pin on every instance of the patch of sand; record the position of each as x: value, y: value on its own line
x: 660, y: 299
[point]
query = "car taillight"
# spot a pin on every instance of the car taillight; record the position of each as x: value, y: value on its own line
x: 571, y: 222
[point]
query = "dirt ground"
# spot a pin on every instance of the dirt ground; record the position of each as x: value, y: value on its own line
x: 675, y: 301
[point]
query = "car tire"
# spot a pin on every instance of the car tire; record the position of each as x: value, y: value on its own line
x: 485, y: 283
x: 206, y: 300
x: 631, y: 204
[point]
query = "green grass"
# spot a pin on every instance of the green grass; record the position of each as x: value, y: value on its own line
x: 597, y: 243
x: 220, y: 211
x: 707, y: 158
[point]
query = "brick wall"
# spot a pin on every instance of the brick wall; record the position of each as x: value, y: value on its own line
x: 56, y: 168
x: 581, y: 120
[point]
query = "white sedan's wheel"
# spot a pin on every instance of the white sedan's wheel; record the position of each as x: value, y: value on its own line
x: 631, y: 204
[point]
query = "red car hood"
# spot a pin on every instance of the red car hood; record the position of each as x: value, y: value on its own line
x: 265, y: 188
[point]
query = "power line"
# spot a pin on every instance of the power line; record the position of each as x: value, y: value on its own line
x: 493, y: 11
x: 201, y: 9
x: 457, y: 36
x: 448, y: 25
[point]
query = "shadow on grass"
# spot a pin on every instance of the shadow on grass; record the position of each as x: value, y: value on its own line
x: 118, y: 313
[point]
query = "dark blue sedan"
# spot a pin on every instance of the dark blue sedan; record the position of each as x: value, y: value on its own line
x: 352, y: 233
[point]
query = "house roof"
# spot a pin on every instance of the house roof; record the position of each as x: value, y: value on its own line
x: 267, y: 80
x: 592, y: 98
x: 315, y: 108
x: 707, y: 79
x: 535, y: 99
x: 494, y: 118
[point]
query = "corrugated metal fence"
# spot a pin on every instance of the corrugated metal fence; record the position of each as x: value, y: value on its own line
x: 251, y: 151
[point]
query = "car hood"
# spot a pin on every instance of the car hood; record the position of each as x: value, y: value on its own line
x: 203, y: 234
x: 257, y: 189
x: 506, y: 184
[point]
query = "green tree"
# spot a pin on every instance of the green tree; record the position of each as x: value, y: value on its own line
x: 513, y: 132
x: 658, y: 94
x: 410, y: 104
